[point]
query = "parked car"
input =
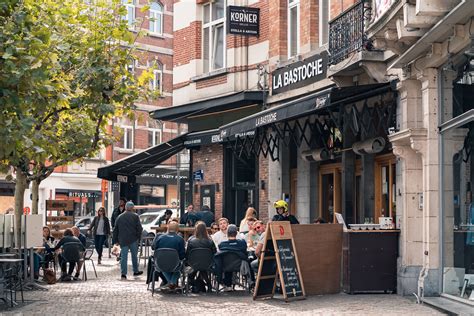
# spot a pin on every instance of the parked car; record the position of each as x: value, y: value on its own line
x: 150, y: 219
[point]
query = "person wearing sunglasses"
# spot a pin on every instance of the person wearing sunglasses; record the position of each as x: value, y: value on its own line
x: 259, y: 227
x: 214, y: 228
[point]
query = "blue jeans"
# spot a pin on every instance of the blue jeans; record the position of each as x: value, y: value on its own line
x: 124, y: 256
x: 171, y: 277
x: 99, y: 244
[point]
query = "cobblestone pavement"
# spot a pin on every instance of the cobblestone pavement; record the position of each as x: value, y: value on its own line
x: 108, y: 295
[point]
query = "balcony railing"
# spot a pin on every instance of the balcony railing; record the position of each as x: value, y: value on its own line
x: 347, y: 32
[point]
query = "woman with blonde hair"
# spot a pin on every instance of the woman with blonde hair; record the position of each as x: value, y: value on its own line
x: 251, y: 213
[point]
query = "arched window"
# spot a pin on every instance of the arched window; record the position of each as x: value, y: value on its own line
x: 156, y: 83
x: 156, y: 18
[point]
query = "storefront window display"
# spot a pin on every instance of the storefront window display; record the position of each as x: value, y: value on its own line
x: 86, y: 202
x: 457, y: 142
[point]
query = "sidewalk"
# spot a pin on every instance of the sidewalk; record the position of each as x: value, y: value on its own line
x: 109, y: 295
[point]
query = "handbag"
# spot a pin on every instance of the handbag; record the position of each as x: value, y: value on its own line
x: 49, y: 276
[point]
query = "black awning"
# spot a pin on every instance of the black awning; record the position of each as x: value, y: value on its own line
x: 181, y: 113
x: 319, y: 101
x: 127, y: 169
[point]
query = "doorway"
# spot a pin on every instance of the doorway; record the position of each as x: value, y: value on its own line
x: 329, y: 191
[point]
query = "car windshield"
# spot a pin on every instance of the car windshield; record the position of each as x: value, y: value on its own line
x: 147, y: 219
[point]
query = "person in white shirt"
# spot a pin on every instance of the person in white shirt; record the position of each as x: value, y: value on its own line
x: 221, y: 235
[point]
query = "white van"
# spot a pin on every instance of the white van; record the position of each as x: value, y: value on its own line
x: 150, y: 219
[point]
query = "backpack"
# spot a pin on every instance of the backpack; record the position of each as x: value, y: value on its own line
x: 49, y: 276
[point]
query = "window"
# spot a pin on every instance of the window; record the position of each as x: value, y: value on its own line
x: 323, y: 22
x: 156, y: 18
x: 293, y: 27
x: 214, y: 36
x: 130, y: 15
x: 156, y: 81
x: 127, y: 138
x: 154, y: 137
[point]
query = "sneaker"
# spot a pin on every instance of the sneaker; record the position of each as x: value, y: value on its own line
x: 124, y: 277
x: 228, y: 289
x: 138, y: 273
x: 75, y: 278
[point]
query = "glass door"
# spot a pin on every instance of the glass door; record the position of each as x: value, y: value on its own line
x: 329, y: 192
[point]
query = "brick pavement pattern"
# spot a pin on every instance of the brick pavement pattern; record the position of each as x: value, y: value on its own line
x: 108, y: 295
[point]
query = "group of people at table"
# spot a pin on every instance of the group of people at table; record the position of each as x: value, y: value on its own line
x: 52, y: 248
x: 246, y: 241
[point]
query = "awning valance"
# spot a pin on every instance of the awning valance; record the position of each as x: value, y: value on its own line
x: 318, y: 101
x: 127, y: 169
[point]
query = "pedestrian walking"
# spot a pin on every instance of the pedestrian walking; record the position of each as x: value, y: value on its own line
x: 100, y: 228
x: 127, y: 233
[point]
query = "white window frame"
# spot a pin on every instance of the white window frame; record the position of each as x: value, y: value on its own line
x: 154, y: 131
x: 208, y: 27
x: 157, y: 76
x: 130, y: 7
x: 156, y: 18
x: 291, y: 5
x: 128, y: 129
x: 324, y: 22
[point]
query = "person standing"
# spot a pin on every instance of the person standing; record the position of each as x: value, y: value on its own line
x: 118, y: 210
x: 282, y: 213
x: 100, y: 228
x: 127, y: 233
x: 189, y: 218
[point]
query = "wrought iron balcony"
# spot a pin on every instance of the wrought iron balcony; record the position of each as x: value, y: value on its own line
x: 347, y: 32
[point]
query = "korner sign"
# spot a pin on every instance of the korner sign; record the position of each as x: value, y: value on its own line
x: 243, y: 20
x: 300, y: 73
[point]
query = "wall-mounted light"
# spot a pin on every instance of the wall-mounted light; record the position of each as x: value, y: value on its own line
x: 318, y: 154
x: 369, y: 146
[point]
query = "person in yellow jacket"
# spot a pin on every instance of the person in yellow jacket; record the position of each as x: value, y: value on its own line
x: 282, y: 213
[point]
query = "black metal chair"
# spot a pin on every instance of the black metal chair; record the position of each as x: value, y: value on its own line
x: 12, y: 281
x: 200, y: 260
x: 231, y: 263
x: 165, y: 260
x: 87, y: 256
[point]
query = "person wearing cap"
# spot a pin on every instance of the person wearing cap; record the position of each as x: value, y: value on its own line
x: 282, y: 214
x: 127, y: 233
x: 235, y: 245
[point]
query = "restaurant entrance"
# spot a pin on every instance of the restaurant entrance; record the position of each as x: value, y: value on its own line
x: 240, y: 174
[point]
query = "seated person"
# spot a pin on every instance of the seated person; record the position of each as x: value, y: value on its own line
x: 68, y: 238
x: 319, y: 220
x: 234, y: 245
x: 200, y: 239
x: 251, y: 236
x: 82, y: 238
x: 221, y: 235
x: 259, y: 227
x: 45, y: 255
x: 165, y: 218
x: 205, y: 215
x: 214, y: 228
x: 171, y: 240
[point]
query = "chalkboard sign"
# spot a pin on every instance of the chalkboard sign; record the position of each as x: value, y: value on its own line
x: 279, y: 261
x: 289, y: 268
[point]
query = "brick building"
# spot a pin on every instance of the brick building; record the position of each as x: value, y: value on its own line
x: 79, y: 182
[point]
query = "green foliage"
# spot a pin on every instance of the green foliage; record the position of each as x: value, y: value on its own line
x: 63, y: 77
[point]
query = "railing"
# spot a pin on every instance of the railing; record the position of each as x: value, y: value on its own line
x: 346, y: 32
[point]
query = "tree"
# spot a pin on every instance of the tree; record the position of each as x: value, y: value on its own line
x: 63, y: 77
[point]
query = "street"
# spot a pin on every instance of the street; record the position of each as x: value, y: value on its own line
x: 109, y: 295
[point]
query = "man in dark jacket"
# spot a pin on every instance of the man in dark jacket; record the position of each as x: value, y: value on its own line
x: 283, y: 214
x: 70, y: 255
x: 118, y: 210
x: 127, y: 233
x: 205, y: 215
x: 234, y: 245
x: 171, y: 240
x: 189, y: 218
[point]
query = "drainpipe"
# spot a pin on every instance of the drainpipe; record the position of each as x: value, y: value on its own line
x: 441, y: 176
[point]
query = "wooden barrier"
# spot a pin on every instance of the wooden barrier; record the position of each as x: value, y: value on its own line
x: 320, y: 253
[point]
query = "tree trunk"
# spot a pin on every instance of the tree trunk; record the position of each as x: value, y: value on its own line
x: 20, y: 187
x: 35, y: 196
